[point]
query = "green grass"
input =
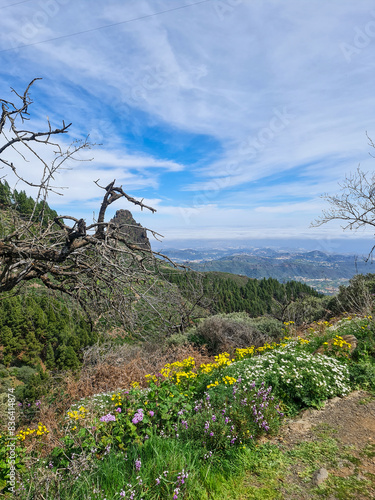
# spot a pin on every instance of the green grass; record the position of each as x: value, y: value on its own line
x: 121, y: 459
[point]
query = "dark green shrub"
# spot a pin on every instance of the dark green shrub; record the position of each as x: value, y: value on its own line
x: 269, y: 326
x: 362, y: 375
x: 24, y: 373
x: 307, y: 309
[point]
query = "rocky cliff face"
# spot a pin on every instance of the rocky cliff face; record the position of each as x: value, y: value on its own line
x: 132, y: 230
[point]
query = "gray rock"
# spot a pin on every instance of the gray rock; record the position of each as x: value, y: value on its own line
x: 320, y: 476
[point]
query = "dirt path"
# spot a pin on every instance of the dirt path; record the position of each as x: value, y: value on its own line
x: 321, y: 454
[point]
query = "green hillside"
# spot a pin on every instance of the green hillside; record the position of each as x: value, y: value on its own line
x: 287, y: 267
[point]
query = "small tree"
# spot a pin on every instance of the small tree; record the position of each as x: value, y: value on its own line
x: 355, y: 205
x: 94, y: 263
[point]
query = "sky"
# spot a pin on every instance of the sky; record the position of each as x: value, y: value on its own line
x: 230, y: 117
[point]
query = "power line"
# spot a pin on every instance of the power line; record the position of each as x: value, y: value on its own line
x: 18, y: 3
x: 104, y: 26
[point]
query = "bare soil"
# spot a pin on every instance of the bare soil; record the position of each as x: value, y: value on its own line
x: 343, y: 468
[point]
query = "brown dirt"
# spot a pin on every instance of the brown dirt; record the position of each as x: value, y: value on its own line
x: 350, y: 421
x: 352, y: 417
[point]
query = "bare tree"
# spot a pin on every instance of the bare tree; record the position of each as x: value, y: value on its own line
x: 95, y: 264
x: 24, y: 141
x: 355, y: 204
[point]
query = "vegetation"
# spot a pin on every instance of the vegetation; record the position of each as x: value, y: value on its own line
x: 203, y: 419
x: 312, y: 266
x: 255, y: 297
x: 167, y: 390
x: 39, y: 328
x: 24, y: 205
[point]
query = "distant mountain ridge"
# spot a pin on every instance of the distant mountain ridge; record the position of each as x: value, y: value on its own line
x: 269, y: 263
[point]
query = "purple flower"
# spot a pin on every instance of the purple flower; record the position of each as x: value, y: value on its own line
x: 108, y: 418
x: 151, y: 413
x: 211, y: 434
x: 265, y: 426
x: 213, y: 418
x: 138, y: 465
x: 118, y: 410
x: 157, y: 480
x: 176, y: 492
x: 138, y: 417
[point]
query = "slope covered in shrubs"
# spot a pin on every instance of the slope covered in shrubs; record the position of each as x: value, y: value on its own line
x: 183, y: 430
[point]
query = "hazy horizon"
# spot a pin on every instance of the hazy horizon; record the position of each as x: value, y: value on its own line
x: 360, y: 247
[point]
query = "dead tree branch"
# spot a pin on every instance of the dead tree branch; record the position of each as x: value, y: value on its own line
x: 97, y: 264
x: 355, y: 205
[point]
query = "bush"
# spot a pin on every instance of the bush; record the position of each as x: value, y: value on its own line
x: 224, y: 332
x: 355, y: 298
x: 308, y: 309
x: 269, y: 326
x: 24, y: 373
x: 298, y: 378
x: 229, y: 413
x: 177, y: 339
x: 362, y: 375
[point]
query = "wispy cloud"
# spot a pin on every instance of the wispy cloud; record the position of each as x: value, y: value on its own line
x: 234, y: 116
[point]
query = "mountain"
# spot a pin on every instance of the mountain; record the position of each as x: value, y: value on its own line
x: 135, y: 233
x: 323, y: 271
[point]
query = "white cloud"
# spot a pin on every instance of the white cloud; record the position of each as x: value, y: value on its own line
x: 267, y: 82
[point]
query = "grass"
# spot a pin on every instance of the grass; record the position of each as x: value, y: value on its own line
x: 176, y: 438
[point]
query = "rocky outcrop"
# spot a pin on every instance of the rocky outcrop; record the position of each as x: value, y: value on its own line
x: 134, y: 232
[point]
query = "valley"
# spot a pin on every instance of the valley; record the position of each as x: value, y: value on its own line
x: 325, y: 272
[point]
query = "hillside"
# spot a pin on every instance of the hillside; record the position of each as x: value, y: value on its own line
x: 325, y: 272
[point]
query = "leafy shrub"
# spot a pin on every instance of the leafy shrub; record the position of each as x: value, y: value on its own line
x: 229, y: 413
x: 6, y: 446
x: 308, y: 309
x: 177, y: 339
x: 269, y: 326
x: 357, y: 297
x: 298, y: 378
x: 364, y: 330
x: 24, y: 373
x: 224, y: 332
x: 362, y: 375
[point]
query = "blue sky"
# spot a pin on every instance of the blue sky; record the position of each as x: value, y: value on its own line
x: 230, y: 117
